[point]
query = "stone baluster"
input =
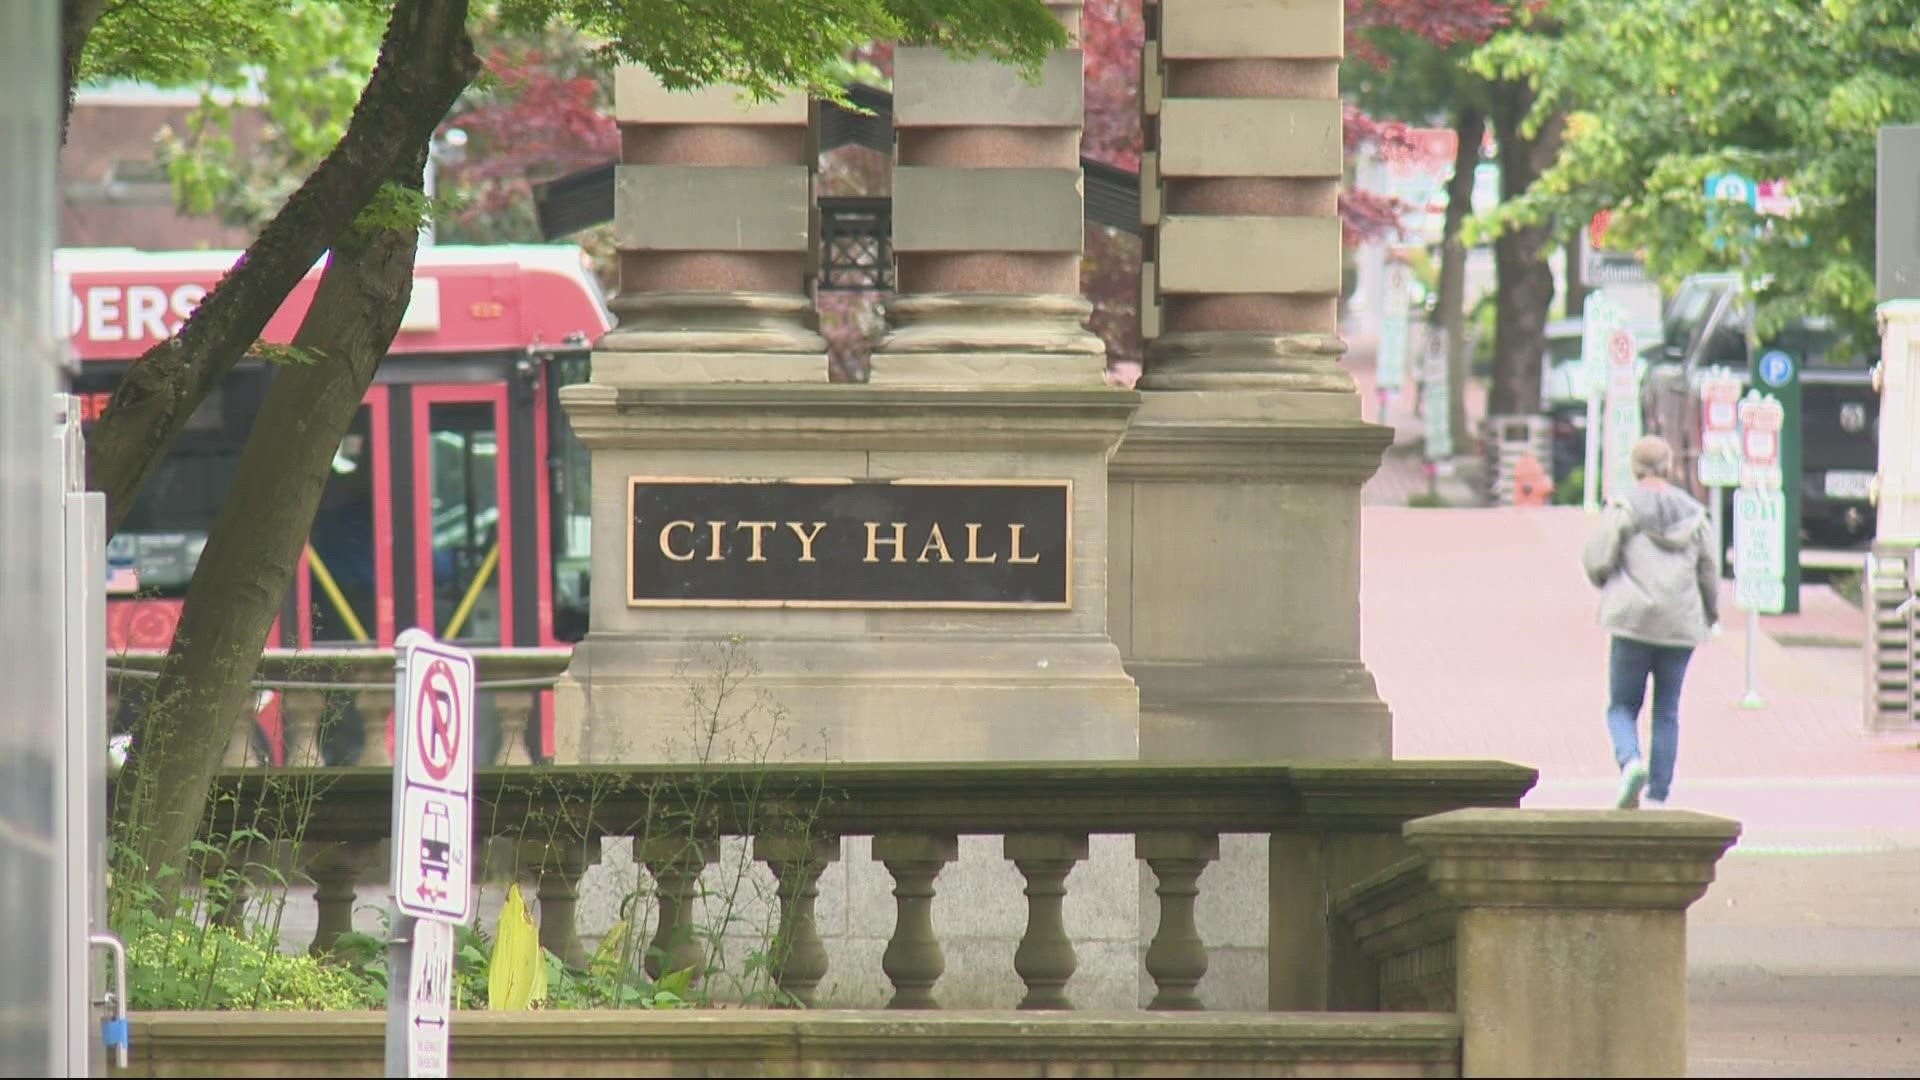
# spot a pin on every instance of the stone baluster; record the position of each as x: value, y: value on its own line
x: 676, y: 863
x: 335, y: 870
x: 375, y: 707
x: 561, y: 866
x: 913, y: 960
x: 1045, y: 959
x: 516, y: 709
x: 302, y: 712
x: 1177, y: 959
x: 240, y: 752
x: 797, y: 862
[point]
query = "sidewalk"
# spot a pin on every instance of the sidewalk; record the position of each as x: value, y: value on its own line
x: 1479, y: 626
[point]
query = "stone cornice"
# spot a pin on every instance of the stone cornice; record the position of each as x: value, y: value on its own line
x: 1328, y: 451
x: 1601, y: 859
x: 764, y: 416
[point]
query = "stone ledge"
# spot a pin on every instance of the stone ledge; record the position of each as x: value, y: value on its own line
x: 1604, y: 859
x: 1339, y: 452
x: 759, y: 1042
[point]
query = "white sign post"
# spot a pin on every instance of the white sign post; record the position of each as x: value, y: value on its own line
x: 1623, y: 408
x: 1759, y: 526
x: 1596, y: 321
x: 1390, y: 362
x: 1719, y: 464
x: 432, y: 832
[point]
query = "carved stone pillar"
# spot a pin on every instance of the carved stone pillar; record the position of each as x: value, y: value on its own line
x: 1177, y: 959
x: 302, y: 713
x: 1248, y: 423
x: 515, y: 708
x: 375, y: 706
x: 676, y: 863
x: 561, y: 865
x: 913, y: 960
x: 1045, y: 959
x: 334, y: 868
x: 987, y: 224
x: 797, y: 862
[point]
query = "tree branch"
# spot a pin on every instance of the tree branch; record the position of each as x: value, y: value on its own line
x: 426, y: 60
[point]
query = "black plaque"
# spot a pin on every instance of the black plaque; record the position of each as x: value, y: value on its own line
x: 850, y: 543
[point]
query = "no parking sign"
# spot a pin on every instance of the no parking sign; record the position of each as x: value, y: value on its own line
x: 433, y: 733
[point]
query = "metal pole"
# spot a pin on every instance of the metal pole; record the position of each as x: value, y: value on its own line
x: 399, y: 927
x: 1590, y: 497
x: 1718, y: 497
x: 1752, y: 698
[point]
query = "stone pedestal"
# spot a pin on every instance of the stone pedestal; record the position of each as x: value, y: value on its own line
x: 1571, y: 934
x: 1236, y: 494
x: 875, y: 684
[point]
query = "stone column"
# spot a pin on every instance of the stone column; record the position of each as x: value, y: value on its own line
x: 1571, y: 934
x: 1235, y: 498
x: 712, y: 215
x: 988, y: 223
x: 989, y: 375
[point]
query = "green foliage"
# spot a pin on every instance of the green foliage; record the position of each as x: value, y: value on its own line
x: 174, y: 964
x: 1665, y: 93
x: 179, y: 42
x: 768, y: 46
x: 307, y: 85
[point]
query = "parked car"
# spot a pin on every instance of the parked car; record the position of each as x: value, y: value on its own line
x: 1709, y: 324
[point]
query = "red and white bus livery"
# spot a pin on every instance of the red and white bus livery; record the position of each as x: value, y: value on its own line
x: 458, y: 500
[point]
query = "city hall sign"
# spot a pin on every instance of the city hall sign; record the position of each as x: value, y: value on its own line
x: 850, y: 543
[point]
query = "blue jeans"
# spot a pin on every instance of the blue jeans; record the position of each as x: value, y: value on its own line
x: 1632, y: 662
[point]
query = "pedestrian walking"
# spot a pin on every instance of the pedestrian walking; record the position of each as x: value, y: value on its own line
x: 1653, y: 560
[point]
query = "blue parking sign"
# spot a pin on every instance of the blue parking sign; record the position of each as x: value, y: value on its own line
x: 1776, y: 368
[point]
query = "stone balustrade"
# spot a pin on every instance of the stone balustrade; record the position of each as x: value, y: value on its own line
x: 321, y: 687
x: 1327, y: 823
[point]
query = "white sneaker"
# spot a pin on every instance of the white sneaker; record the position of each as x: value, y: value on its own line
x: 1633, y: 777
x: 1651, y: 803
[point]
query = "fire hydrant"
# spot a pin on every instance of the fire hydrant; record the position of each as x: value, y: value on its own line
x: 1531, y: 484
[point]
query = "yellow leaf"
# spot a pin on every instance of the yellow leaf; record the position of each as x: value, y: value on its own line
x: 517, y: 972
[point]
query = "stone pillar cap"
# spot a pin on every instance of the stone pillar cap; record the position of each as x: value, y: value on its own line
x: 1571, y: 858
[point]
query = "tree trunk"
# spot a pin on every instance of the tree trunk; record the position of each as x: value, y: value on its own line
x: 1525, y: 281
x: 256, y: 540
x: 1451, y: 303
x: 426, y: 60
x: 77, y: 18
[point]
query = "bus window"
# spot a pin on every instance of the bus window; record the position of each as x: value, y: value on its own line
x: 340, y: 562
x: 466, y: 525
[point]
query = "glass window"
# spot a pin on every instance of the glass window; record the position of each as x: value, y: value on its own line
x: 465, y: 526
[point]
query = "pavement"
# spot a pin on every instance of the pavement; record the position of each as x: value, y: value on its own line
x: 1804, y: 956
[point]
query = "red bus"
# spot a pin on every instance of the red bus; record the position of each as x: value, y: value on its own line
x: 459, y: 499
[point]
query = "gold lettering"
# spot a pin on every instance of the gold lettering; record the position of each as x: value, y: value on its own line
x: 899, y: 541
x: 1014, y: 532
x: 759, y: 529
x: 666, y: 541
x: 934, y: 539
x: 973, y: 545
x: 713, y: 552
x: 806, y: 538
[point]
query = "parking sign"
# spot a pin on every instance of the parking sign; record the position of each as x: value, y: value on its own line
x: 433, y: 780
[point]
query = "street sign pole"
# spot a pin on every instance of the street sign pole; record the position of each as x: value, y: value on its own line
x: 1761, y: 526
x: 432, y: 830
x: 1597, y: 319
x: 399, y: 924
x: 1779, y: 374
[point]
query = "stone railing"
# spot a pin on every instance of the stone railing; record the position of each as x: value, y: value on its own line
x: 320, y: 687
x: 1328, y: 826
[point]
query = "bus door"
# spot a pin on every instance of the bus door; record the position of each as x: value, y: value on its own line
x: 462, y: 513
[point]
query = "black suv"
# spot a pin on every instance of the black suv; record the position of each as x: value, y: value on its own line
x: 1708, y: 324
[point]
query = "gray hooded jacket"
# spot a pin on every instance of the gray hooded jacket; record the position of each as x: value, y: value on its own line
x: 1653, y: 558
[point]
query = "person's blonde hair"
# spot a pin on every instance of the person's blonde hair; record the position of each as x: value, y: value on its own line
x: 1651, y: 457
